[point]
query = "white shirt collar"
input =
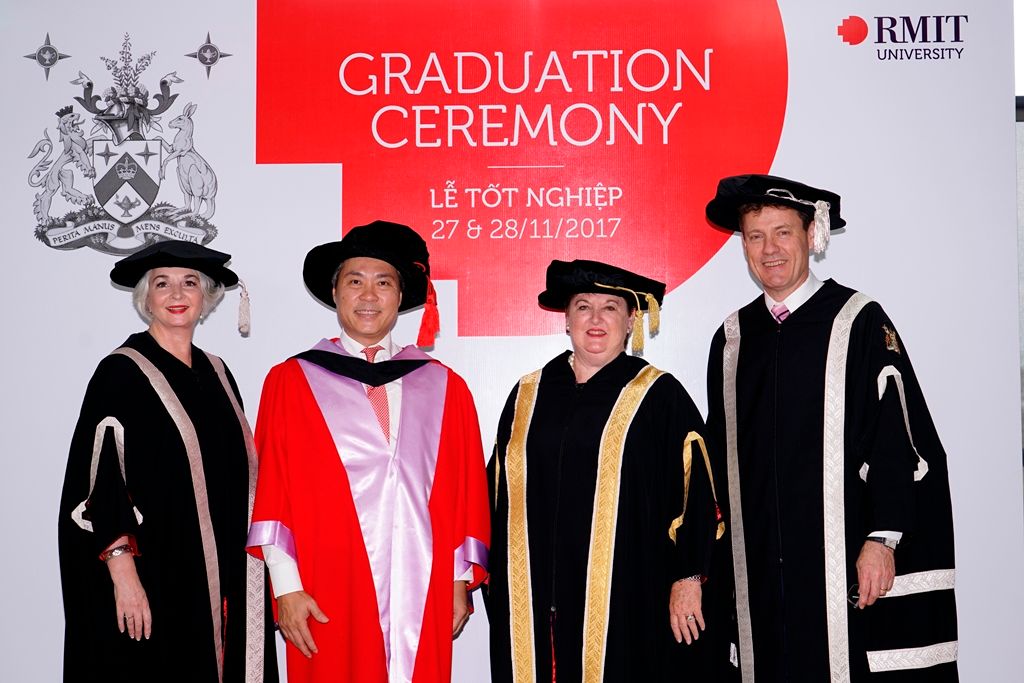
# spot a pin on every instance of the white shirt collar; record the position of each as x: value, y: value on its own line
x: 355, y: 348
x: 799, y: 296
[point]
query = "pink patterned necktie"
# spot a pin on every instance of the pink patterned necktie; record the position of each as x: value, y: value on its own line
x: 780, y: 312
x: 379, y: 397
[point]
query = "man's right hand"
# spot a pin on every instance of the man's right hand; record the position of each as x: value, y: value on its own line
x: 293, y: 612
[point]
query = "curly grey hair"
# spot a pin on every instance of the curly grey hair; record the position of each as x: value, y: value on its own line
x: 213, y: 292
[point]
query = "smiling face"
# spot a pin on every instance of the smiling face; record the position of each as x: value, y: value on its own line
x: 776, y: 246
x: 175, y: 298
x: 367, y: 294
x: 598, y: 325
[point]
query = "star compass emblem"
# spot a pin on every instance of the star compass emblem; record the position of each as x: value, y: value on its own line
x: 208, y: 54
x: 47, y: 56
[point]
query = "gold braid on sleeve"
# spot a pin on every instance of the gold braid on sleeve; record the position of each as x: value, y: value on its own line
x: 687, y: 466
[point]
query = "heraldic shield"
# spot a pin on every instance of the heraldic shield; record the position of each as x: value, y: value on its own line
x: 127, y: 177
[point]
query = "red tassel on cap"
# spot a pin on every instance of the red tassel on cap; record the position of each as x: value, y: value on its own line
x: 430, y: 325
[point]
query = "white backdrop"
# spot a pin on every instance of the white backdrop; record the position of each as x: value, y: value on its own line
x: 923, y: 154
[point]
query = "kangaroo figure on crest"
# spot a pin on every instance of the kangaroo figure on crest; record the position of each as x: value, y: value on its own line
x: 198, y: 181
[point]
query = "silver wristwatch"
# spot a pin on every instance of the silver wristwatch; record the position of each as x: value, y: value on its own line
x: 889, y: 543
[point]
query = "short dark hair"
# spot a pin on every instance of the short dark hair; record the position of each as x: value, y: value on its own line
x: 806, y: 213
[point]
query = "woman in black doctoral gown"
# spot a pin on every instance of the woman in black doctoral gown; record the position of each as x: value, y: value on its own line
x: 157, y: 496
x: 603, y: 508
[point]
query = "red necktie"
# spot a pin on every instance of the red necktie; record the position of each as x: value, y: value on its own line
x: 379, y: 397
x: 780, y: 312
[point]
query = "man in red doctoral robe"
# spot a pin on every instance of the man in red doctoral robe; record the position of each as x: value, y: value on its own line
x: 371, y: 502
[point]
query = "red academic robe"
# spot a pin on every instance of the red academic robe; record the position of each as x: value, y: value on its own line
x: 304, y: 488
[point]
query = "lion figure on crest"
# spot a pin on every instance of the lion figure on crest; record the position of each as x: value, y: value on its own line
x: 56, y: 176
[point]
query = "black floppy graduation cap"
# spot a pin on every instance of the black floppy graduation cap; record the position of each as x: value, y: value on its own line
x: 567, y: 278
x: 735, y: 191
x: 174, y: 254
x: 393, y: 243
x: 181, y: 254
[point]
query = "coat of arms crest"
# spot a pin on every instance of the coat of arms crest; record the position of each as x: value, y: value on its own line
x: 891, y: 342
x: 126, y: 161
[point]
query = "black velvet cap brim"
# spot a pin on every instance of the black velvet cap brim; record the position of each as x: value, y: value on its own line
x: 173, y: 254
x: 736, y: 191
x: 565, y: 279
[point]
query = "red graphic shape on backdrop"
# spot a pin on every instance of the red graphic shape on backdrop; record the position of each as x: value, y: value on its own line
x: 406, y: 130
x: 853, y: 30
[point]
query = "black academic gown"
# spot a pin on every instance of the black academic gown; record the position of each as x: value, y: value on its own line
x: 780, y: 398
x: 561, y: 462
x: 171, y: 565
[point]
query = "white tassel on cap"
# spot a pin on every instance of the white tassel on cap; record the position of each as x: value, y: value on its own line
x: 244, y: 312
x: 822, y: 228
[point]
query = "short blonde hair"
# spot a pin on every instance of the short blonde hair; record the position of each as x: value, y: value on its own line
x: 213, y: 292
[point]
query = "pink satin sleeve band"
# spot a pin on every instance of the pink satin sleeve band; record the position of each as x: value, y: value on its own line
x: 272, y: 533
x: 472, y: 551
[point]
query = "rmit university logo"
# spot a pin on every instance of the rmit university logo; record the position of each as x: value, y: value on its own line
x: 908, y: 38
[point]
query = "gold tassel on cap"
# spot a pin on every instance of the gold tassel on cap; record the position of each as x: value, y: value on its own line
x: 654, y: 322
x: 638, y: 320
x: 638, y: 332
